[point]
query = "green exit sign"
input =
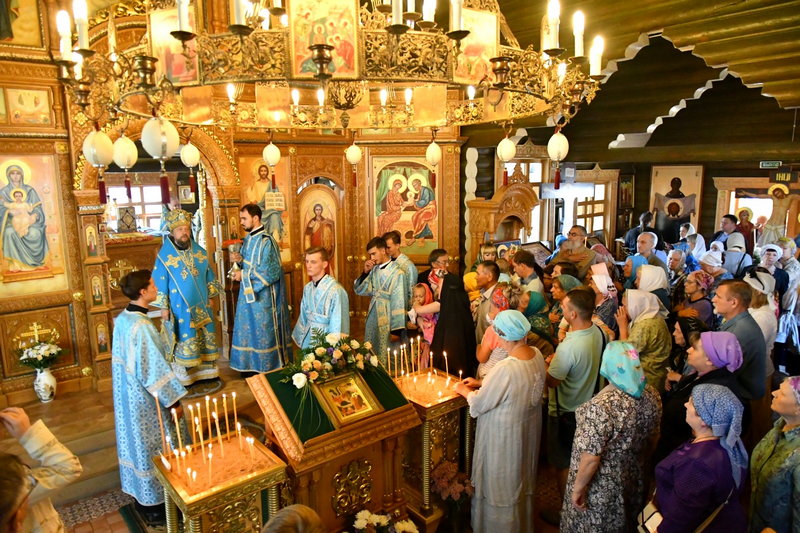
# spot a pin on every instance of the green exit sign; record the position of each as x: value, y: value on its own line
x: 770, y: 164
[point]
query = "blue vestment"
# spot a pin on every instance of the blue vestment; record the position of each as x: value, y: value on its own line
x: 325, y: 306
x: 28, y: 251
x: 409, y: 270
x: 139, y: 371
x: 185, y: 285
x: 261, y: 340
x: 387, y: 310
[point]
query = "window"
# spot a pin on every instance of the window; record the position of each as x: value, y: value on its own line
x: 591, y: 212
x: 146, y: 203
x: 533, y: 170
x: 761, y: 207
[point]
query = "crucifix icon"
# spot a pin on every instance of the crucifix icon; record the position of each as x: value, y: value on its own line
x: 119, y: 270
x: 570, y: 193
x: 34, y: 330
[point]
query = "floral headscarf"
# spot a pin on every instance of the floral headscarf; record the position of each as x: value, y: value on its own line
x: 435, y: 277
x: 621, y: 366
x: 536, y: 313
x: 794, y: 382
x: 703, y: 279
x: 720, y: 409
x: 499, y: 299
x: 605, y: 285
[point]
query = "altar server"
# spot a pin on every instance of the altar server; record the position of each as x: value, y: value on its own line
x: 406, y: 265
x: 185, y: 284
x: 141, y: 377
x: 325, y: 305
x: 383, y: 280
x: 261, y: 339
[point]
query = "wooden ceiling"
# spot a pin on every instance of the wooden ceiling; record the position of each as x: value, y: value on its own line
x: 758, y: 40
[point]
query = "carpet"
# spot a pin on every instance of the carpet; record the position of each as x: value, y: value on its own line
x: 93, y: 507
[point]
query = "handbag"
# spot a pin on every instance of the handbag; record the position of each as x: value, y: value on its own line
x: 649, y: 518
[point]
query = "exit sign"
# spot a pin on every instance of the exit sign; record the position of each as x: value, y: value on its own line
x: 770, y: 164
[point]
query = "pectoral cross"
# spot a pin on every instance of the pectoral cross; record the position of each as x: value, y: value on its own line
x: 570, y: 193
x: 33, y: 331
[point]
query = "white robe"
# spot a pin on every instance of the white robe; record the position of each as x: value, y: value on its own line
x: 508, y: 409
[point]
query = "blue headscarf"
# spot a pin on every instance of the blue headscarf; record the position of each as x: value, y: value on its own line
x: 636, y: 261
x: 568, y: 282
x: 720, y: 409
x: 622, y: 367
x: 511, y: 325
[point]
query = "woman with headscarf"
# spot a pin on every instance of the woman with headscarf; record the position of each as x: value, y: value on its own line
x: 775, y: 466
x: 606, y: 304
x: 605, y: 488
x: 653, y: 279
x: 698, y: 484
x: 711, y: 263
x: 631, y: 268
x: 676, y: 265
x: 641, y: 323
x: 561, y: 286
x: 455, y: 331
x: 534, y: 307
x: 697, y: 303
x: 508, y: 409
x: 490, y: 351
x: 715, y: 356
x: 678, y: 367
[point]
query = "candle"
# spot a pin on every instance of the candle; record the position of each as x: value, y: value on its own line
x: 239, y: 434
x: 235, y: 418
x: 578, y: 23
x: 410, y: 7
x: 395, y: 364
x: 80, y: 13
x: 160, y: 424
x: 194, y: 472
x: 199, y: 428
x: 553, y: 12
x: 183, y: 15
x: 112, y: 37
x: 446, y: 367
x: 397, y: 11
x: 455, y: 15
x: 216, y: 407
x: 238, y: 12
x: 191, y: 424
x: 210, y: 457
x: 78, y: 68
x: 428, y: 10
x: 219, y: 435
x: 596, y: 56
x: 225, y: 409
x: 277, y: 3
x: 208, y: 416
x: 459, y: 375
x: 250, y: 441
x: 177, y: 427
x: 177, y: 457
x: 183, y: 457
x: 188, y: 451
x: 63, y: 24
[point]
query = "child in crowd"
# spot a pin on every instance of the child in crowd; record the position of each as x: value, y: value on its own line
x: 425, y: 323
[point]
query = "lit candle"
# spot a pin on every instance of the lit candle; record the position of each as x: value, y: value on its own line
x: 596, y: 56
x: 199, y: 428
x: 389, y: 360
x: 219, y: 435
x: 64, y: 25
x: 384, y: 97
x: 208, y: 416
x: 553, y: 12
x: 160, y: 424
x: 183, y: 15
x: 409, y: 93
x: 395, y: 364
x: 459, y: 375
x: 210, y: 457
x: 397, y: 11
x: 578, y: 23
x: 455, y: 15
x: 471, y: 92
x: 81, y: 15
x: 177, y: 427
x: 194, y: 472
x: 235, y: 418
x: 225, y: 409
x: 183, y: 457
x: 239, y: 434
x: 177, y: 457
x: 191, y: 424
x: 446, y: 368
x: 250, y: 441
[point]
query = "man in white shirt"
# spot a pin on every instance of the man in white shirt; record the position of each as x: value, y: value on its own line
x: 488, y: 272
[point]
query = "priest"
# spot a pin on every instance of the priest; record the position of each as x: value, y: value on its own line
x: 261, y: 326
x: 185, y: 284
x: 141, y: 377
x: 325, y: 305
x: 383, y: 280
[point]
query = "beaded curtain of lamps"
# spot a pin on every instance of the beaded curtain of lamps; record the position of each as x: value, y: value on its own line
x: 402, y: 67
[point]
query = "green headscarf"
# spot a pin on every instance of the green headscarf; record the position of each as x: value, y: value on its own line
x: 568, y: 282
x: 536, y: 313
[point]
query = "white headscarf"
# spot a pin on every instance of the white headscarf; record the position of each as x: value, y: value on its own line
x: 642, y: 305
x: 605, y: 285
x: 699, y: 243
x: 651, y: 278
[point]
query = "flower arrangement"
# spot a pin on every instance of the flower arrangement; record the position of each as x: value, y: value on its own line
x: 330, y: 354
x: 39, y: 355
x: 382, y: 523
x: 452, y: 486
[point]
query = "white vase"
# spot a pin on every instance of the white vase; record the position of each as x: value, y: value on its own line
x: 45, y: 385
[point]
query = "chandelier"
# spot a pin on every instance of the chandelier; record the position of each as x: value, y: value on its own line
x: 340, y: 65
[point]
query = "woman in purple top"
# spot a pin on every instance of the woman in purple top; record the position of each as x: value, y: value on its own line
x: 706, y: 473
x: 697, y: 304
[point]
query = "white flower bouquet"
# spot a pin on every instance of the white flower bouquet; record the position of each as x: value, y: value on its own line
x: 39, y: 355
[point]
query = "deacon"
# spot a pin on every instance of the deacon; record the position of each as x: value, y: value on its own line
x: 325, y: 305
x: 185, y: 285
x: 261, y: 327
x: 141, y: 377
x: 383, y: 280
x: 406, y: 265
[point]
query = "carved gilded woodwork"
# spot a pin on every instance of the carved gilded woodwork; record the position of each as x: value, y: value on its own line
x: 417, y: 56
x: 262, y: 57
x: 240, y: 515
x: 352, y: 487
